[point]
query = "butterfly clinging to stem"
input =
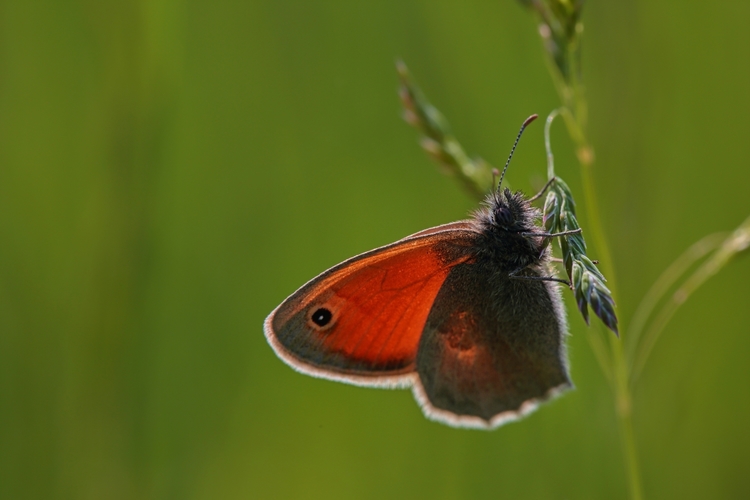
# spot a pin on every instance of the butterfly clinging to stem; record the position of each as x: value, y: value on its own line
x: 467, y: 314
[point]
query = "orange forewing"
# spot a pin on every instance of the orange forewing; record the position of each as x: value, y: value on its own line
x: 379, y: 300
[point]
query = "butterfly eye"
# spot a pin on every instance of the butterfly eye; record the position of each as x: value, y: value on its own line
x: 503, y: 216
x: 321, y: 318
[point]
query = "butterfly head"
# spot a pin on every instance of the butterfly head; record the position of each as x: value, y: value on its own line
x: 510, y: 212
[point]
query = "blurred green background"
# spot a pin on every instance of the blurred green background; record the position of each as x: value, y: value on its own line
x: 170, y: 171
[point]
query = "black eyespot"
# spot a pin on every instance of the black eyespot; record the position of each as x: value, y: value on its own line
x: 322, y: 316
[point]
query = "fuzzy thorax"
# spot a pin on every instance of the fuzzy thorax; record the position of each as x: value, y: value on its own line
x: 502, y: 222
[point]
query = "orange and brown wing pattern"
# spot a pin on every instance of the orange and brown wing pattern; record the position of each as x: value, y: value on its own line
x: 365, y: 317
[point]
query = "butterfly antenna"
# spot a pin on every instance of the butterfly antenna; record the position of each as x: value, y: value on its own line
x: 525, y: 123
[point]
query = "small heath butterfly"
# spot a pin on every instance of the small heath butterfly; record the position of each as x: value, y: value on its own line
x: 468, y: 315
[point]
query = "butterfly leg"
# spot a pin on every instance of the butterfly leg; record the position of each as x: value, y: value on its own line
x: 548, y: 236
x: 553, y: 235
x: 540, y: 193
x: 515, y: 276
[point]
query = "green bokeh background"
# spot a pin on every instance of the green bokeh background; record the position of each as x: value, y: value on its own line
x: 170, y: 171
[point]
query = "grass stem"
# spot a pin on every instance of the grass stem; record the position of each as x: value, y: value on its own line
x: 620, y: 370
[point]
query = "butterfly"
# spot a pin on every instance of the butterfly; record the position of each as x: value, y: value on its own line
x: 467, y: 314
